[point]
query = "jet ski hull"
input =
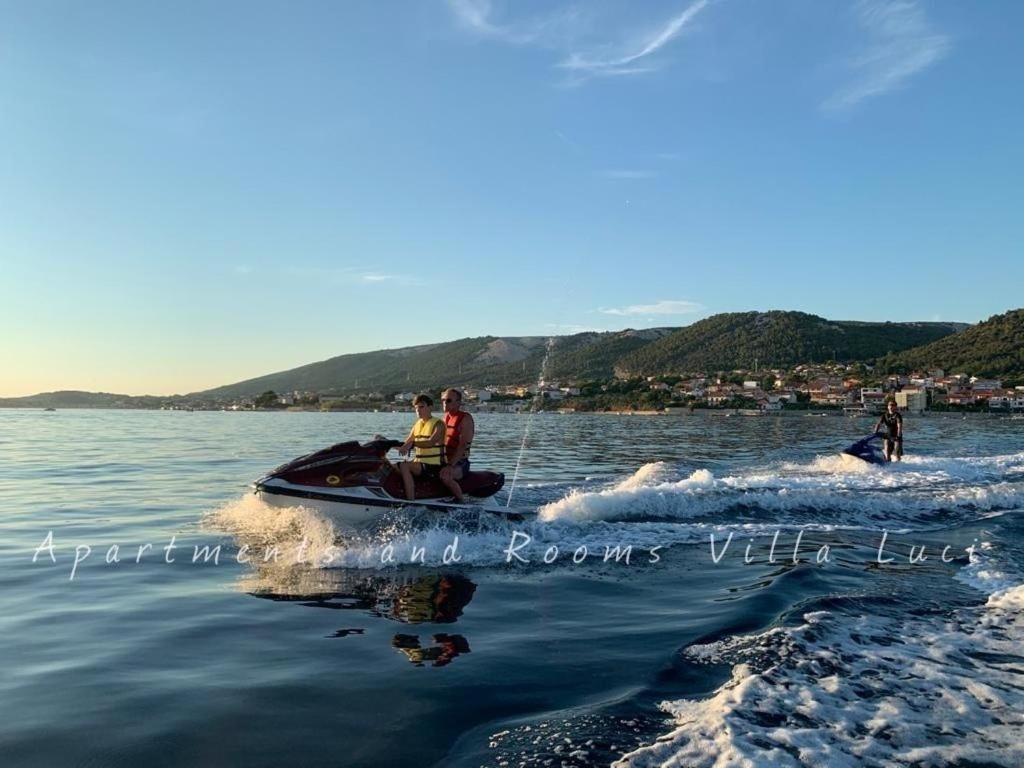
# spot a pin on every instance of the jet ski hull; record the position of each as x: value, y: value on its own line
x: 353, y: 485
x: 349, y: 510
x: 866, y: 449
x: 359, y: 508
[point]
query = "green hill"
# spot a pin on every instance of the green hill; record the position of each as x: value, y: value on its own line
x: 406, y: 368
x: 775, y: 339
x: 721, y: 342
x: 595, y: 355
x: 78, y: 399
x: 991, y: 349
x: 474, y: 361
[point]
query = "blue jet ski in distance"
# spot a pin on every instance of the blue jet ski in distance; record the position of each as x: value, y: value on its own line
x: 867, y: 449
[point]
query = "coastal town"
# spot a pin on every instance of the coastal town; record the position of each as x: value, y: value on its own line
x: 853, y: 390
x: 752, y: 363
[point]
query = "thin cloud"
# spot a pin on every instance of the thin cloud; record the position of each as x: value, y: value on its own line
x: 348, y: 275
x: 475, y: 17
x: 593, y: 65
x: 625, y: 174
x: 560, y: 31
x: 675, y: 307
x: 570, y: 328
x: 903, y: 44
x: 473, y: 14
x: 573, y: 145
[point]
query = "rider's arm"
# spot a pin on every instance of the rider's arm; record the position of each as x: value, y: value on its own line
x: 404, y: 447
x: 437, y: 436
x: 467, y: 429
x: 435, y: 439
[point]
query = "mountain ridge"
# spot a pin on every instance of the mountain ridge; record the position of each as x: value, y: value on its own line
x: 993, y: 348
x: 727, y: 341
x: 776, y: 338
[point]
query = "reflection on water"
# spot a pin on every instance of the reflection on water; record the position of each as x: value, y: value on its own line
x: 442, y: 652
x: 346, y: 632
x: 413, y: 598
x: 436, y: 599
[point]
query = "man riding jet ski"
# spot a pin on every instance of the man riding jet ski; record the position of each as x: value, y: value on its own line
x: 354, y: 483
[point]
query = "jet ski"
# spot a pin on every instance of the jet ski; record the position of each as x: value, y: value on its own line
x: 867, y: 450
x: 354, y: 483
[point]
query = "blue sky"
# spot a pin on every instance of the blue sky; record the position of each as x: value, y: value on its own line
x: 196, y: 193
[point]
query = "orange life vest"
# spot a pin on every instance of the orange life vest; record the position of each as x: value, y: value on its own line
x: 452, y: 434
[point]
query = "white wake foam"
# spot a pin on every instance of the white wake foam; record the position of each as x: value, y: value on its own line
x: 260, y: 525
x: 878, y: 691
x: 651, y: 508
x: 984, y: 572
x: 846, y: 691
x: 854, y: 494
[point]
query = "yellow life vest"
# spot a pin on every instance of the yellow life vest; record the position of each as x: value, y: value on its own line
x: 421, y: 432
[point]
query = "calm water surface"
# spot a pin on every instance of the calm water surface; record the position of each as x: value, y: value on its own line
x: 672, y: 657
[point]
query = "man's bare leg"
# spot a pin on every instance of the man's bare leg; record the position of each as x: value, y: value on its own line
x: 450, y: 477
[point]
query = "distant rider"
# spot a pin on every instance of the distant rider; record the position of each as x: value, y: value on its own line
x: 427, y: 437
x: 892, y: 420
x: 459, y: 430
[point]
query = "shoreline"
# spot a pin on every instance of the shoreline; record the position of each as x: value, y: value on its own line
x: 671, y: 412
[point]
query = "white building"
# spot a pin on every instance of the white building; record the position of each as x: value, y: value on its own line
x: 1000, y: 399
x: 912, y: 400
x: 984, y: 385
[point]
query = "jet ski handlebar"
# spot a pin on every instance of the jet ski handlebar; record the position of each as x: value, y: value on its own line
x: 382, y: 444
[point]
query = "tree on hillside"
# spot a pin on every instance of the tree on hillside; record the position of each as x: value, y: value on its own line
x: 268, y: 399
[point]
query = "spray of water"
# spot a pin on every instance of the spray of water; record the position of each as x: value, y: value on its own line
x: 534, y: 407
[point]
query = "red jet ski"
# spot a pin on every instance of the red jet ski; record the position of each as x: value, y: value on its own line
x: 354, y: 483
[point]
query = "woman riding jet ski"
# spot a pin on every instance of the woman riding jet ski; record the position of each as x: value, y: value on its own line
x: 354, y: 483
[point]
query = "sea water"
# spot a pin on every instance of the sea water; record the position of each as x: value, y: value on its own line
x: 844, y: 615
